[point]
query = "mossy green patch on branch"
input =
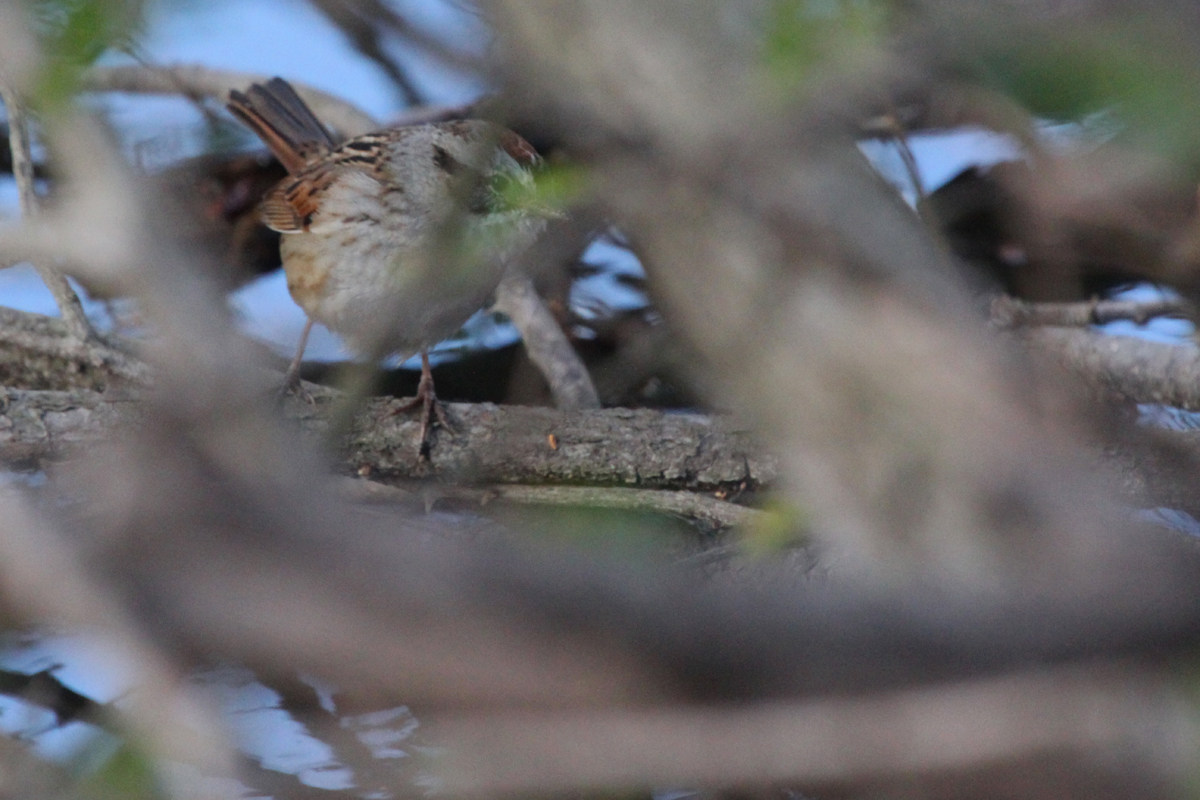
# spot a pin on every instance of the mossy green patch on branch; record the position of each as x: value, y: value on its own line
x: 803, y: 38
x: 779, y: 526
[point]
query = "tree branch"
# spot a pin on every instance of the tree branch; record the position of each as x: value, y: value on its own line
x: 1010, y: 312
x: 1134, y: 369
x: 38, y: 352
x: 546, y: 344
x: 491, y: 444
x: 202, y: 81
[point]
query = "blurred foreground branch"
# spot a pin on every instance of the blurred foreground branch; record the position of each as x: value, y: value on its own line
x: 815, y: 300
x: 968, y: 546
x: 1031, y: 728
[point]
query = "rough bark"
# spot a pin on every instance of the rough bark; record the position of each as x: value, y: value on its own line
x: 37, y: 352
x: 1134, y: 369
x: 490, y: 444
x: 71, y: 393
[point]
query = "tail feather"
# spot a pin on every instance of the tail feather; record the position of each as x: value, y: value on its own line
x: 283, y: 121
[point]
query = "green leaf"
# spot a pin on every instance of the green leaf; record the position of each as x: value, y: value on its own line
x: 126, y: 775
x: 780, y: 526
x: 73, y: 34
x: 551, y: 191
x: 803, y: 37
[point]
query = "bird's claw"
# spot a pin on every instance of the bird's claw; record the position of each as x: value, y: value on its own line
x: 431, y: 412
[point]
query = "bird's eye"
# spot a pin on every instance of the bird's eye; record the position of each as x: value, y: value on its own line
x: 446, y: 162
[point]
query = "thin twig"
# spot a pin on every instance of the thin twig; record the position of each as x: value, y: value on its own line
x: 69, y: 307
x: 362, y: 24
x: 197, y: 100
x: 379, y: 17
x: 1010, y: 312
x: 900, y: 137
x: 44, y: 690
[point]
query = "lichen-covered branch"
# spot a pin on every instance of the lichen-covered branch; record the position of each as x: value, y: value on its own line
x: 712, y: 510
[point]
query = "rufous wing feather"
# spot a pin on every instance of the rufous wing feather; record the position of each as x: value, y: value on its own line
x: 278, y: 215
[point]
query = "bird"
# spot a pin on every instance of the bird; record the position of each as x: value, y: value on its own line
x: 392, y: 239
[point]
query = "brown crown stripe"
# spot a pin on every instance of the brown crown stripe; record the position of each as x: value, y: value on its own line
x: 521, y: 150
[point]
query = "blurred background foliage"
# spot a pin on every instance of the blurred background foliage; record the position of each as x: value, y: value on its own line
x: 1140, y: 75
x: 803, y: 38
x: 74, y: 34
x: 1136, y: 69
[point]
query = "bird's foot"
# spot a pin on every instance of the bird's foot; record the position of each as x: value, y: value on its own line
x: 294, y: 387
x: 431, y: 411
x: 291, y: 379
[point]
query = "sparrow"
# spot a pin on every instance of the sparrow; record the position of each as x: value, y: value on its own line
x: 392, y: 239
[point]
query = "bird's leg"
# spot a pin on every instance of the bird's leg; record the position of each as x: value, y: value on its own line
x: 291, y: 378
x: 430, y: 407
